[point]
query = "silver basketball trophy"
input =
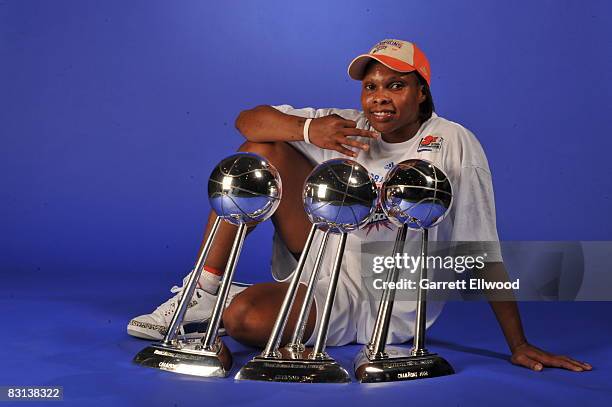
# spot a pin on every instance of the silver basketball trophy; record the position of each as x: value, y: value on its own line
x: 243, y: 189
x: 416, y: 195
x: 339, y: 197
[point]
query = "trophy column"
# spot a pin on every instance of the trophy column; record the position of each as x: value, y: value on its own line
x: 415, y: 195
x: 339, y: 197
x: 243, y: 189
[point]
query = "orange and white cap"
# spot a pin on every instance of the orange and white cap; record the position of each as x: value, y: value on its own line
x: 401, y: 56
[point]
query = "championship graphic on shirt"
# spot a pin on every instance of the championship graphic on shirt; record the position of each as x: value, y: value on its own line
x: 430, y: 143
x: 379, y: 220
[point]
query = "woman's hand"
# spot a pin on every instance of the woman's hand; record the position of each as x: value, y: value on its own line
x: 332, y: 133
x: 536, y: 359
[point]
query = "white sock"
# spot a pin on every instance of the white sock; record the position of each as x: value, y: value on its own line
x: 209, y: 280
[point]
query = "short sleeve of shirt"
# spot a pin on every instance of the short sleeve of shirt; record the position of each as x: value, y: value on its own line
x: 313, y: 153
x: 474, y: 211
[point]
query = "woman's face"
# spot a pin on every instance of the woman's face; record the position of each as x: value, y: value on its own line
x: 391, y: 100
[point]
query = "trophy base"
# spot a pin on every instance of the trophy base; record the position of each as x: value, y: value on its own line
x: 294, y: 367
x: 400, y: 365
x: 189, y: 358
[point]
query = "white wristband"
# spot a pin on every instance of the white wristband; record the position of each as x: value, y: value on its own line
x: 306, y: 127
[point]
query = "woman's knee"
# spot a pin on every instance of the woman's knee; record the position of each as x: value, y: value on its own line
x: 285, y: 158
x: 268, y: 150
x: 244, y: 321
x: 251, y: 315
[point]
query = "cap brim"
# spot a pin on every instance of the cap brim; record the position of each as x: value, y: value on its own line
x: 356, y: 69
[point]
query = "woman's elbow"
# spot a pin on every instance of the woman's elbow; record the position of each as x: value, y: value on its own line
x: 241, y: 121
x: 248, y: 121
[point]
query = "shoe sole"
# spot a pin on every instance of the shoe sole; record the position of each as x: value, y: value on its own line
x: 192, y: 331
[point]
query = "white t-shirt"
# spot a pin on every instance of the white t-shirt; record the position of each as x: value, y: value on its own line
x: 450, y: 147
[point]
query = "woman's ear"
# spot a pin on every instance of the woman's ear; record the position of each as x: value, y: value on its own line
x: 422, y: 95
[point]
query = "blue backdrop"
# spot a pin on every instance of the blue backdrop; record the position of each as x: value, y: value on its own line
x: 113, y: 113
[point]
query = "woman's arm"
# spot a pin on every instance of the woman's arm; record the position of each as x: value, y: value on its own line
x: 266, y: 124
x: 509, y: 319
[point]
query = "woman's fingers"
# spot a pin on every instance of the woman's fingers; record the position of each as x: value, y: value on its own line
x: 359, y: 133
x: 340, y: 148
x: 353, y: 143
x: 524, y: 360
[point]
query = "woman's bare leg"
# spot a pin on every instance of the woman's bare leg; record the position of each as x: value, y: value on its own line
x: 251, y: 315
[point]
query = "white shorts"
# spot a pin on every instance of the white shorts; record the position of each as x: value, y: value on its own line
x: 354, y: 310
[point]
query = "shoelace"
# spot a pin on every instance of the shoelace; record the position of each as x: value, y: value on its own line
x: 176, y: 289
x: 173, y: 302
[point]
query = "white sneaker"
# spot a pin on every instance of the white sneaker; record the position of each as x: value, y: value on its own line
x: 155, y: 325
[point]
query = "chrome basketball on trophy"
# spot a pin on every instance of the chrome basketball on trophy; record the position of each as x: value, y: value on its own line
x: 416, y: 195
x: 339, y: 197
x: 243, y: 189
